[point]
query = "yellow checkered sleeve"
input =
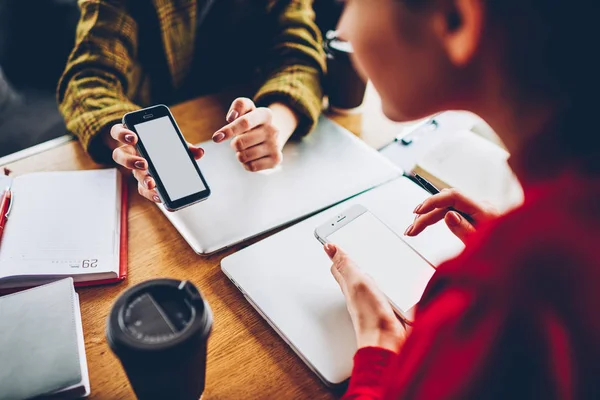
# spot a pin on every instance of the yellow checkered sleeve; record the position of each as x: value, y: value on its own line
x: 100, y: 77
x: 297, y: 64
x: 104, y: 79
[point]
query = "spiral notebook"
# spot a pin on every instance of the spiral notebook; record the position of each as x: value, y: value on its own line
x: 65, y: 224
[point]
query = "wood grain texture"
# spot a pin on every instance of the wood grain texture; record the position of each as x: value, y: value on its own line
x: 246, y: 358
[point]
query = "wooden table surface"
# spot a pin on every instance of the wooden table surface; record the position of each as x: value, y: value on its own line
x: 246, y: 358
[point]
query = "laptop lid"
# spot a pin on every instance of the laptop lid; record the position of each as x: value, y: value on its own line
x: 328, y: 166
x: 287, y: 278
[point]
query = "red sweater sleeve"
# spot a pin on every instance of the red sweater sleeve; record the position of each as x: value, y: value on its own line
x: 371, y: 365
x: 510, y: 318
x: 495, y: 323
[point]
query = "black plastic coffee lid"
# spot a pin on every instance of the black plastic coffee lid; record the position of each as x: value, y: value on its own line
x: 159, y: 315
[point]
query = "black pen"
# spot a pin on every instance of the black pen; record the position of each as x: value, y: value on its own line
x: 425, y: 184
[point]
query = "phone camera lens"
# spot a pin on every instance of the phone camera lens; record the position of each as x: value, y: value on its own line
x: 332, y: 224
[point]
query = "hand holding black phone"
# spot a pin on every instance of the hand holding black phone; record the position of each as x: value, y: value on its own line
x: 179, y: 182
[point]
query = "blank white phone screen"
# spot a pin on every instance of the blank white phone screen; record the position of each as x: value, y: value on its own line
x: 170, y: 159
x: 398, y: 270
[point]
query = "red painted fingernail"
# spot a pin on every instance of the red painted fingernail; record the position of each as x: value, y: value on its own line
x: 408, y: 230
x: 129, y: 138
x: 418, y: 208
x: 330, y: 250
x: 156, y: 199
x: 218, y: 137
x: 232, y: 116
x: 453, y: 219
x: 148, y: 182
x: 140, y: 165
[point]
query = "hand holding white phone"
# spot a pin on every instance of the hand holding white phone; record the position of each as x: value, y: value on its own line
x: 397, y: 269
x: 166, y: 167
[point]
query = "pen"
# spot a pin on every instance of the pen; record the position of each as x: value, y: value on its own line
x: 433, y: 190
x: 4, y: 207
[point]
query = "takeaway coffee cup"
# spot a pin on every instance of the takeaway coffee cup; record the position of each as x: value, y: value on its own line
x: 344, y: 86
x: 159, y: 331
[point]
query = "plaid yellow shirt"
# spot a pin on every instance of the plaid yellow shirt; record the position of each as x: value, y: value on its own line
x: 111, y: 71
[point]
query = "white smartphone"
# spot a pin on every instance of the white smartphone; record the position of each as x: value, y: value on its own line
x: 399, y: 271
x: 179, y: 182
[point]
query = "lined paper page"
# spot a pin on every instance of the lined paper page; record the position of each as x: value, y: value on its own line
x: 62, y: 223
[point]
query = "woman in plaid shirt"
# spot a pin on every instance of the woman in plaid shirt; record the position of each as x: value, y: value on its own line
x: 129, y: 55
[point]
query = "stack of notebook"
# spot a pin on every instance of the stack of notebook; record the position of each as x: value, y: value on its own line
x: 42, y: 350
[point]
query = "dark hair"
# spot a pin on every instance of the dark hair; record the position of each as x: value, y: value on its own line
x: 551, y: 48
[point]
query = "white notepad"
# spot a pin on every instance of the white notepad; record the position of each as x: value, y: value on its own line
x: 62, y: 224
x: 474, y: 165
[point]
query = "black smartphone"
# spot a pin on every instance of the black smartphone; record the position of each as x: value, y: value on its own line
x: 179, y: 182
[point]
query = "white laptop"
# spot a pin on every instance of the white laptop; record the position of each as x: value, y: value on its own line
x: 328, y: 166
x: 287, y: 278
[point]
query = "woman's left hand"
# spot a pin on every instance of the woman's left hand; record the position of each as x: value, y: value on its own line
x: 375, y: 323
x: 259, y: 134
x: 445, y: 205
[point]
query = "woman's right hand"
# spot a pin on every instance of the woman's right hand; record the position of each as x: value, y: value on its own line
x: 444, y: 206
x: 375, y: 323
x: 127, y: 156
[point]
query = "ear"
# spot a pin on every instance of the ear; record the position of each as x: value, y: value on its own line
x: 459, y: 26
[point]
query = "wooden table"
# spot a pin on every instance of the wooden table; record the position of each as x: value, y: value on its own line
x: 246, y: 358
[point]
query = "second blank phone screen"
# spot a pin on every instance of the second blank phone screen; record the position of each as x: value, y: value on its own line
x: 170, y: 158
x: 398, y: 270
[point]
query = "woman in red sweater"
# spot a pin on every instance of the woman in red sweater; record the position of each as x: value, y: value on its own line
x: 516, y: 315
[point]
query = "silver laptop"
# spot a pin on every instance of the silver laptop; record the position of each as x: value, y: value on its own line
x: 328, y: 166
x: 287, y: 278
